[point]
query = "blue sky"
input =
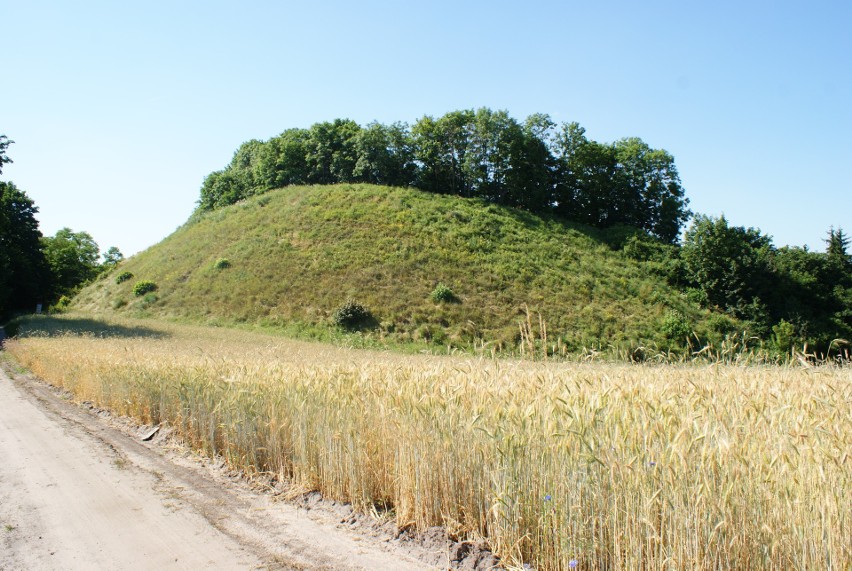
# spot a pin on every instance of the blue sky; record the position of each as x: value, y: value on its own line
x: 119, y: 110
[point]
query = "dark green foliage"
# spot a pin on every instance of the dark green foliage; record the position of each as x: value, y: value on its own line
x: 25, y: 277
x: 282, y: 161
x: 73, y: 259
x: 4, y: 144
x: 442, y: 293
x: 387, y: 248
x: 123, y: 277
x: 352, y: 315
x: 783, y: 336
x: 143, y: 287
x: 112, y: 257
x: 225, y: 187
x: 222, y: 264
x: 484, y: 154
x: 837, y: 245
x: 61, y: 305
x: 676, y: 326
x: 787, y: 294
x: 731, y: 265
x: 332, y: 151
x: 385, y: 155
x: 623, y: 183
x: 813, y: 292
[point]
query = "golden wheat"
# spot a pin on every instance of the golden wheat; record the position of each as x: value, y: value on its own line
x: 598, y: 466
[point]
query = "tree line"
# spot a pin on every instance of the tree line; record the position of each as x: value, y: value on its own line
x: 790, y: 296
x: 787, y: 297
x: 535, y: 165
x: 36, y: 269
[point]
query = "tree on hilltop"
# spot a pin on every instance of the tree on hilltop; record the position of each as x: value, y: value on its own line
x: 4, y: 144
x: 479, y: 153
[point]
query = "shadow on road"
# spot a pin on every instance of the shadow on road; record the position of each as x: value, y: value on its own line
x: 47, y: 326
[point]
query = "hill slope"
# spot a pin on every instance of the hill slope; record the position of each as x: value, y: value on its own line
x: 296, y: 254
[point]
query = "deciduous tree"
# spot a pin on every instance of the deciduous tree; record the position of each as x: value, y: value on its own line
x: 73, y: 259
x: 24, y: 273
x: 4, y: 158
x: 730, y: 264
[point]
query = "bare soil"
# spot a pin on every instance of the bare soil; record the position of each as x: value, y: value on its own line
x: 82, y: 489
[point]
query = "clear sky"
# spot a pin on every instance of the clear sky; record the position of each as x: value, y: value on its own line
x: 120, y: 109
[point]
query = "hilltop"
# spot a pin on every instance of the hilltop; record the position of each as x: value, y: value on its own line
x: 289, y: 258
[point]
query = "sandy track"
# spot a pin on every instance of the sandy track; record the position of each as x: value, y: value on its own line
x: 78, y: 493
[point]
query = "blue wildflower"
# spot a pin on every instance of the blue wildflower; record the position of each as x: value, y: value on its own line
x: 547, y: 498
x: 573, y: 563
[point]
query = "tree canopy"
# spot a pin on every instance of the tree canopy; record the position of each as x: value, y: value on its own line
x: 4, y: 158
x: 807, y: 295
x: 482, y: 153
x: 73, y: 259
x: 24, y: 272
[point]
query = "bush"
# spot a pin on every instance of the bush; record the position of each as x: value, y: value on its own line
x: 783, y: 337
x: 721, y: 325
x: 443, y: 293
x: 676, y: 326
x: 222, y: 264
x: 143, y: 287
x: 60, y: 306
x: 352, y: 315
x: 697, y: 296
x: 123, y: 277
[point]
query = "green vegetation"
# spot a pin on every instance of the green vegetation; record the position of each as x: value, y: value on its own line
x: 222, y: 264
x: 35, y: 269
x: 143, y: 287
x: 541, y: 225
x: 25, y: 276
x: 73, y: 259
x: 123, y: 277
x: 789, y: 296
x: 4, y: 145
x: 626, y: 188
x: 442, y: 293
x: 535, y: 166
x: 352, y: 315
x: 300, y: 253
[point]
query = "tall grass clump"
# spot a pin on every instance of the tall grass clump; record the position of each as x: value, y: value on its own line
x: 598, y: 466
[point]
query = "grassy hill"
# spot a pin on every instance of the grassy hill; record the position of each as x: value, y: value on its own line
x: 290, y: 258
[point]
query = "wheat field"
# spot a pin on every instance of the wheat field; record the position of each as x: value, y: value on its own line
x: 556, y: 465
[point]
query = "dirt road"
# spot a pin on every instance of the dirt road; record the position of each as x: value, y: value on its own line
x: 79, y: 492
